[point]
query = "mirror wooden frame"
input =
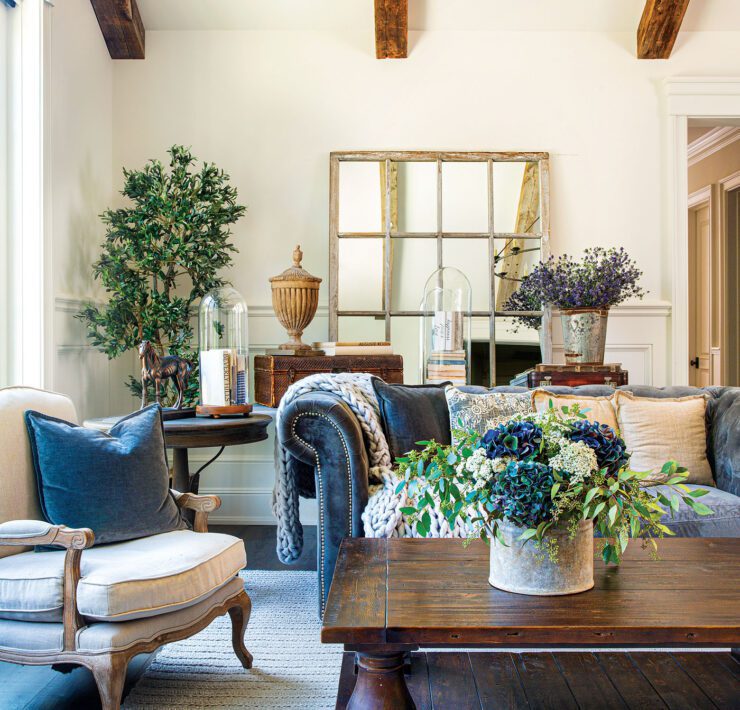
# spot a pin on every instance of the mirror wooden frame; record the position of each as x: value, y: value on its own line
x: 388, y: 234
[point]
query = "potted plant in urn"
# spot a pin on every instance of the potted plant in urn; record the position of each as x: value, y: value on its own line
x: 535, y: 488
x: 583, y: 290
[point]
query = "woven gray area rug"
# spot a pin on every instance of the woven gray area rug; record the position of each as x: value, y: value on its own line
x: 292, y: 668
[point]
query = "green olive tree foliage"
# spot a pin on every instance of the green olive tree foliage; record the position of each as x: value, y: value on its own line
x: 160, y: 256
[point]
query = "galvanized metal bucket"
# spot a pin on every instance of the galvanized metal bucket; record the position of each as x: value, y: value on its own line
x: 523, y: 569
x: 584, y: 335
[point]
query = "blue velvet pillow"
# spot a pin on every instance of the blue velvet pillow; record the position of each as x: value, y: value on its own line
x: 411, y: 413
x: 116, y: 484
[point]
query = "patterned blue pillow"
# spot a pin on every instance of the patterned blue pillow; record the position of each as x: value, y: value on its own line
x: 116, y: 484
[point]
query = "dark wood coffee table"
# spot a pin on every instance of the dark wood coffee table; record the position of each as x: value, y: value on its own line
x: 389, y: 597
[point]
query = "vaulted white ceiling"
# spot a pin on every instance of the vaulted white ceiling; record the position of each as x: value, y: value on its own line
x: 511, y: 15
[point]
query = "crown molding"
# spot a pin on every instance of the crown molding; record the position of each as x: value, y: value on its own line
x: 711, y: 142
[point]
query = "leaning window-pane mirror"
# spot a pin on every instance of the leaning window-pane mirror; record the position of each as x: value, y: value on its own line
x: 431, y: 210
x: 360, y: 204
x: 357, y: 329
x: 513, y: 260
x: 405, y: 338
x: 471, y: 257
x: 516, y: 197
x: 517, y: 348
x: 414, y: 260
x: 465, y: 197
x: 361, y: 275
x: 416, y: 197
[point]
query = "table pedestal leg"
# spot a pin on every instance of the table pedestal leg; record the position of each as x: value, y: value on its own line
x: 380, y: 683
x: 181, y: 471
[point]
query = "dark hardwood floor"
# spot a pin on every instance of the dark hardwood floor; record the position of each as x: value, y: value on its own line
x: 41, y: 688
x: 578, y: 680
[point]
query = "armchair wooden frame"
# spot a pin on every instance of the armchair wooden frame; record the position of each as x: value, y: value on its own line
x: 109, y: 667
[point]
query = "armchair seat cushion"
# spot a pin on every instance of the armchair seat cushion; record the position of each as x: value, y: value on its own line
x: 122, y: 581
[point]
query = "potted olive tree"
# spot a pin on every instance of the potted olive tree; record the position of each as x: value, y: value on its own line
x: 161, y: 254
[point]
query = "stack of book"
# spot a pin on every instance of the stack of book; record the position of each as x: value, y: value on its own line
x: 333, y: 349
x: 223, y: 377
x: 446, y: 366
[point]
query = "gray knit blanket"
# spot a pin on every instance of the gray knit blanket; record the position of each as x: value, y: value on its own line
x: 382, y: 517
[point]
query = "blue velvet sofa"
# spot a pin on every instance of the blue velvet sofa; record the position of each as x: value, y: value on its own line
x: 325, y: 442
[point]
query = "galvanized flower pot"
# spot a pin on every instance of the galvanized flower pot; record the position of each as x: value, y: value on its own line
x: 523, y: 569
x: 584, y: 335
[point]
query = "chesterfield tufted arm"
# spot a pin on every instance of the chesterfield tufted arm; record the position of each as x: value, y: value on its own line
x: 325, y: 443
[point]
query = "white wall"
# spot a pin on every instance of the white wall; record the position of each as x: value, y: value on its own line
x: 269, y: 106
x: 81, y: 143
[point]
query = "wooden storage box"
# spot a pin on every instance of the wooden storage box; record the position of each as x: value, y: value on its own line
x: 273, y: 374
x: 573, y: 375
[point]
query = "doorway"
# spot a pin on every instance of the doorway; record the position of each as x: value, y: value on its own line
x: 701, y: 304
x: 712, y: 251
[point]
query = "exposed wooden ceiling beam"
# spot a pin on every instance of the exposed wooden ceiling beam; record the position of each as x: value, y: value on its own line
x: 122, y: 28
x: 391, y: 29
x: 659, y: 25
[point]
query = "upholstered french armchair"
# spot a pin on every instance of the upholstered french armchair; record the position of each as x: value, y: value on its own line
x: 100, y: 606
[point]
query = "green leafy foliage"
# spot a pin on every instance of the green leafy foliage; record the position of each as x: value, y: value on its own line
x: 162, y: 254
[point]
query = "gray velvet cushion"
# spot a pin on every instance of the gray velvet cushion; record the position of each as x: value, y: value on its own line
x: 411, y: 413
x: 116, y: 484
x: 723, y: 522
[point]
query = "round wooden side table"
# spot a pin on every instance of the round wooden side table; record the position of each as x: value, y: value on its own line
x: 199, y: 433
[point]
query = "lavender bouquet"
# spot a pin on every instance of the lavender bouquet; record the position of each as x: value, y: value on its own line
x: 601, y: 279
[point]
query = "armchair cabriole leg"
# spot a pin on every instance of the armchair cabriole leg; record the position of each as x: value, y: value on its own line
x: 110, y: 674
x: 239, y: 619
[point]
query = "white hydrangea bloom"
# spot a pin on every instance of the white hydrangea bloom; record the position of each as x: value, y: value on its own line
x: 575, y: 458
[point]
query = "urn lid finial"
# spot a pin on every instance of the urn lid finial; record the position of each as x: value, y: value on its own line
x: 296, y: 272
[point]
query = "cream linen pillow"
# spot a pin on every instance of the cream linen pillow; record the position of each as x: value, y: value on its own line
x: 660, y: 430
x: 600, y: 409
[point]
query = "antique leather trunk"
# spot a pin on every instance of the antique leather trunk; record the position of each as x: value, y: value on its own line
x: 573, y: 375
x: 273, y: 374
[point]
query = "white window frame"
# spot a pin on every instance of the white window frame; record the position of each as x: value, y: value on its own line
x: 27, y: 316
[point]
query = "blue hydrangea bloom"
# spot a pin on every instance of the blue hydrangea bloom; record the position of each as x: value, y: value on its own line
x: 521, y: 440
x: 522, y: 492
x: 611, y: 451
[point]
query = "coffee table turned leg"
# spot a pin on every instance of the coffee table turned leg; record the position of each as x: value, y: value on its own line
x: 380, y: 682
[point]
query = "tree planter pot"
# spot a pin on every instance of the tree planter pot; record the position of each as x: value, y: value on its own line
x: 584, y: 335
x: 523, y: 569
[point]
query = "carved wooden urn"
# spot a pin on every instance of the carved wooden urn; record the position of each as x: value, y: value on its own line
x: 295, y: 296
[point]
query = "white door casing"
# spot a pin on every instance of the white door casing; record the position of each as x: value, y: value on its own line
x: 700, y: 97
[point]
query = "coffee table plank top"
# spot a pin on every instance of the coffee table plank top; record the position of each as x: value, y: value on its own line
x: 436, y: 593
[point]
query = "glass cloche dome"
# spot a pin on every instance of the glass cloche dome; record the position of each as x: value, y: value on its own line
x: 223, y: 330
x: 446, y: 327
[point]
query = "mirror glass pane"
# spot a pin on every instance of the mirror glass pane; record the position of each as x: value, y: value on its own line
x: 360, y: 204
x: 516, y: 198
x: 414, y: 261
x: 405, y: 336
x: 361, y: 329
x: 471, y: 257
x: 465, y: 197
x: 514, y: 259
x: 360, y: 280
x: 517, y: 350
x: 416, y: 183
